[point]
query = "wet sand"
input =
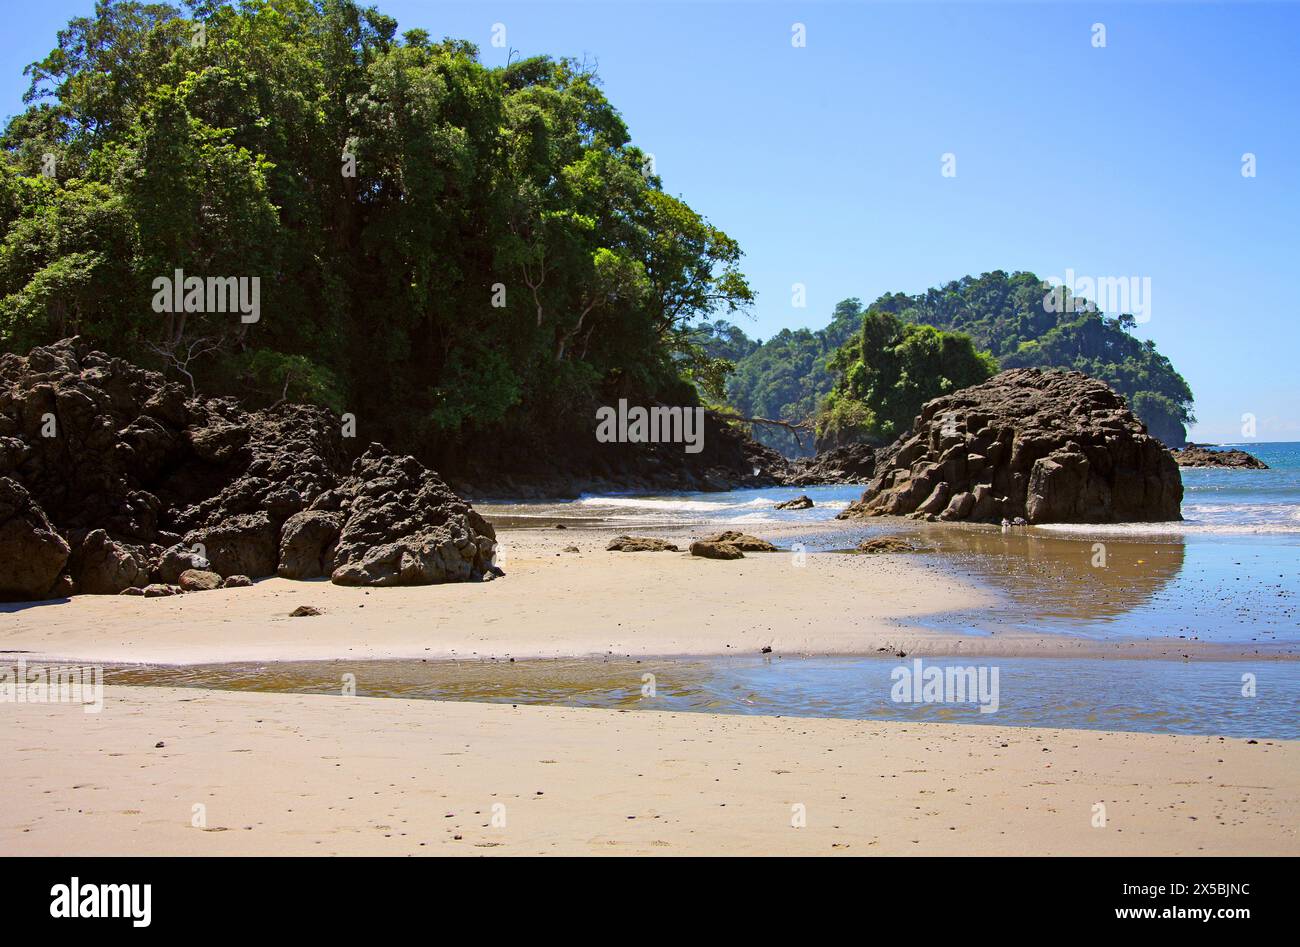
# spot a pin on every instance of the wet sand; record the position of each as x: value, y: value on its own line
x: 279, y: 774
x: 555, y: 603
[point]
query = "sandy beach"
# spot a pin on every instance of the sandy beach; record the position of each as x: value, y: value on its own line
x: 283, y: 773
x: 554, y: 603
x: 309, y: 774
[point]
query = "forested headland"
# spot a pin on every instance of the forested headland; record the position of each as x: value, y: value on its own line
x: 866, y: 377
x: 467, y: 259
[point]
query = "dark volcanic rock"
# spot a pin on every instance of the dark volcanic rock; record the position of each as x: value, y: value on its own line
x: 307, y: 542
x: 404, y: 526
x: 32, y: 554
x: 243, y: 544
x: 142, y: 483
x: 568, y: 461
x: 852, y: 463
x: 103, y: 566
x: 1199, y: 455
x: 1046, y: 446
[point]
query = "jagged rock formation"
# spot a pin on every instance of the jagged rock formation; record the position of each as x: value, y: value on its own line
x: 1200, y: 455
x: 112, y: 479
x: 801, y: 502
x: 32, y: 554
x: 1043, y: 446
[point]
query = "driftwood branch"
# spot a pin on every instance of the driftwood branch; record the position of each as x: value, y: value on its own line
x: 794, y: 427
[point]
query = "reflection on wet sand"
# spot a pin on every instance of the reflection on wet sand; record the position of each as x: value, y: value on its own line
x: 1157, y: 696
x: 1067, y: 580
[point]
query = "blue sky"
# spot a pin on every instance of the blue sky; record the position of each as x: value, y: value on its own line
x: 824, y: 161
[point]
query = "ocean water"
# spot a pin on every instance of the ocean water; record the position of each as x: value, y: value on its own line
x: 1229, y: 572
x: 1262, y: 501
x: 1214, y: 501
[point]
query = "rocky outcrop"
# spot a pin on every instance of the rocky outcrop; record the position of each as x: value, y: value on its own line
x: 404, y: 526
x: 1201, y: 455
x: 307, y: 544
x: 798, y: 503
x: 1043, y: 446
x: 32, y: 554
x: 117, y: 481
x: 851, y: 463
x: 103, y: 566
x: 568, y: 461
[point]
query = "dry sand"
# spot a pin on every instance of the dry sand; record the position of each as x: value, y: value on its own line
x: 554, y: 603
x: 550, y: 604
x: 289, y: 774
x: 313, y: 774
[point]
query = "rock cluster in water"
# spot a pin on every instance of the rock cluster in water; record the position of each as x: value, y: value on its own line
x: 1199, y: 455
x: 849, y: 463
x: 1038, y: 446
x: 112, y: 479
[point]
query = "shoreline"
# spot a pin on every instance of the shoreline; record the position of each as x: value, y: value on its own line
x: 590, y: 604
x: 192, y: 772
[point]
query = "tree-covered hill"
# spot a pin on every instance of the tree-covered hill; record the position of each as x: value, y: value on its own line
x: 1003, y: 314
x: 457, y: 255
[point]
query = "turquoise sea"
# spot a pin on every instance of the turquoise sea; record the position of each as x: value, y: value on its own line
x: 1238, y: 502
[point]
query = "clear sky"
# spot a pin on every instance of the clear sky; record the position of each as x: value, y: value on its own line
x: 825, y: 161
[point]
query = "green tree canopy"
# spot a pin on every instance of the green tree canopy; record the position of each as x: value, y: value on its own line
x: 455, y: 253
x: 889, y: 370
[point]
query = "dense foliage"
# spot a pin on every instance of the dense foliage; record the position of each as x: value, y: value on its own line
x: 453, y: 253
x: 796, y: 376
x: 785, y: 377
x: 1007, y: 315
x: 886, y: 372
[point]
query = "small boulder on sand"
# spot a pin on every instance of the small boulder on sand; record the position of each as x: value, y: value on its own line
x: 711, y: 549
x: 742, y: 541
x: 161, y: 590
x: 640, y: 544
x: 196, y: 580
x: 889, y: 544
